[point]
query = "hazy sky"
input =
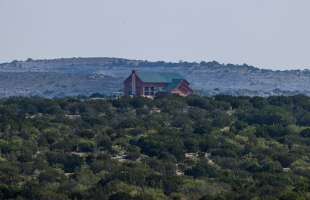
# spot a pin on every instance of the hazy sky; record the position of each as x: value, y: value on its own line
x: 265, y: 33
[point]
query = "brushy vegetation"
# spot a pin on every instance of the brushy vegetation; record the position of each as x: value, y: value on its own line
x: 201, y: 148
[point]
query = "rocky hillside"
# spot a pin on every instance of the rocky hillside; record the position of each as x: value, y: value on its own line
x: 84, y: 76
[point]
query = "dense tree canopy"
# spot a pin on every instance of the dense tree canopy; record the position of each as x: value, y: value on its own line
x: 204, y: 148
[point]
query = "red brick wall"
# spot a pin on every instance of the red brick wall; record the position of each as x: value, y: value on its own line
x: 128, y: 83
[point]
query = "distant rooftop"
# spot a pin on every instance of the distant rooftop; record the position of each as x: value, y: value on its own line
x: 159, y: 77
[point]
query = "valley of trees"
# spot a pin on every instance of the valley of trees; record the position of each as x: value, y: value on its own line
x: 169, y: 148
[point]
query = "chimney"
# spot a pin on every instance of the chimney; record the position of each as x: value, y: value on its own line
x: 133, y: 83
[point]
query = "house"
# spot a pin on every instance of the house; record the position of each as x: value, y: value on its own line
x: 151, y: 84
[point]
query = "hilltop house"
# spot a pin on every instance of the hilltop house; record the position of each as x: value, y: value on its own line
x: 151, y: 84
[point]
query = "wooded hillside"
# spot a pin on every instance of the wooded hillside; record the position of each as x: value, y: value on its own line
x: 200, y: 148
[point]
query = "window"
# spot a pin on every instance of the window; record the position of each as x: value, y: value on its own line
x: 146, y: 91
x: 149, y: 91
x: 129, y: 92
x: 152, y: 91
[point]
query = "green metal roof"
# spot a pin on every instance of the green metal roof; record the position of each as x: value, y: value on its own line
x: 158, y: 77
x: 174, y: 84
